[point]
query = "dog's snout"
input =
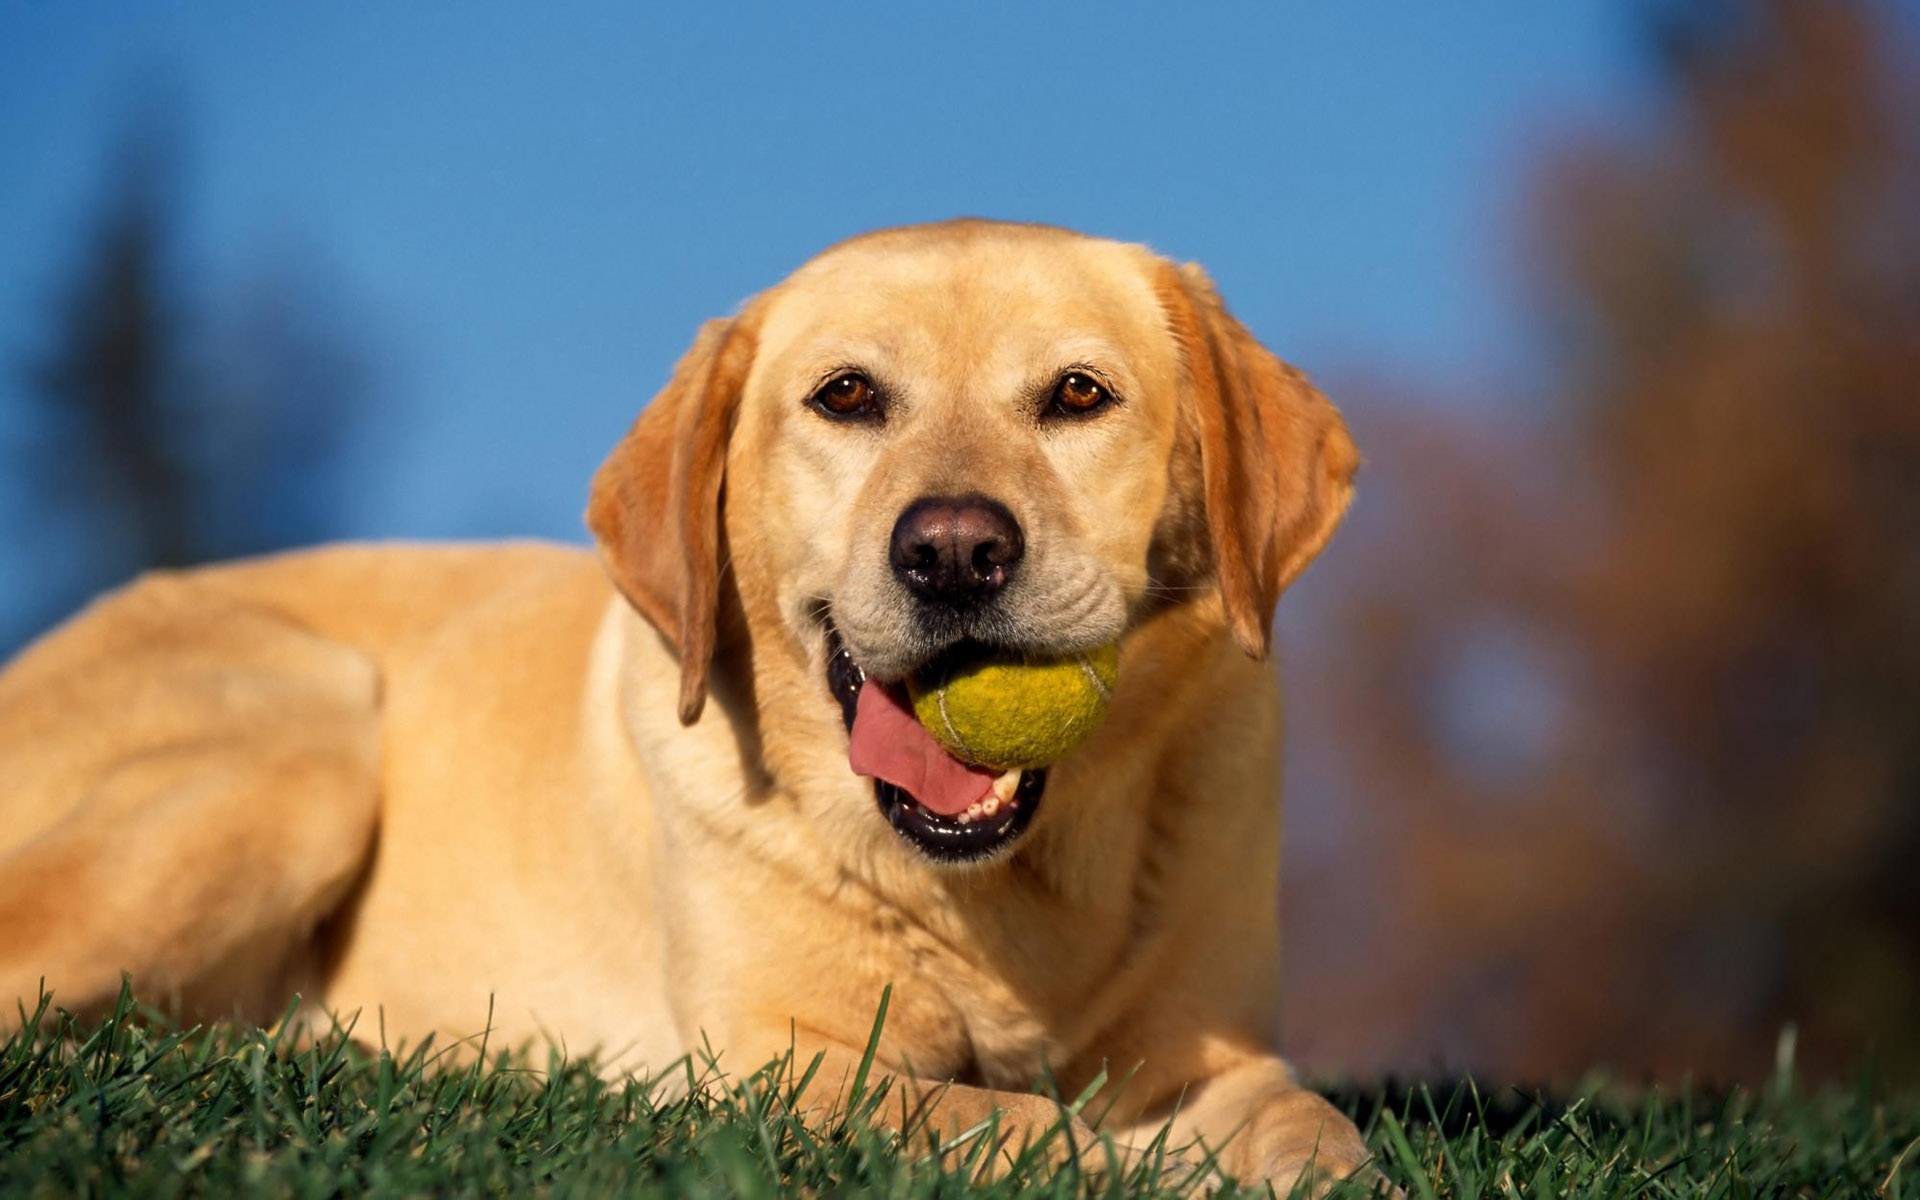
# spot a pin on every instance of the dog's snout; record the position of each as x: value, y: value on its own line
x: 952, y: 550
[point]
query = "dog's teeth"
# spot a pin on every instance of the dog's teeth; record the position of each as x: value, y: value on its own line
x: 991, y: 805
x: 1006, y: 784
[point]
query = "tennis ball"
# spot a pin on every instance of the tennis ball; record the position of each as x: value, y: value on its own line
x: 1004, y: 711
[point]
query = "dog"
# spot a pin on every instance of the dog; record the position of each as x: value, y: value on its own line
x: 610, y: 802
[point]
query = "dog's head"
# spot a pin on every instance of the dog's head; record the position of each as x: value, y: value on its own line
x: 971, y: 431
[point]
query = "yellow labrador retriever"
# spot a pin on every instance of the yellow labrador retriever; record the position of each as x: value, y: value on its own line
x: 410, y: 779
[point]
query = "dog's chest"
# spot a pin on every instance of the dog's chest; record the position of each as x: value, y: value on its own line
x: 975, y: 1006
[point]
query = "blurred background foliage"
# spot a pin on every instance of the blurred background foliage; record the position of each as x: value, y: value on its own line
x: 1627, y: 692
x: 168, y: 426
x: 1605, y: 709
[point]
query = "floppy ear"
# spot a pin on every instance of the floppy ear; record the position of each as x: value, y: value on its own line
x: 655, y: 505
x: 1277, y: 465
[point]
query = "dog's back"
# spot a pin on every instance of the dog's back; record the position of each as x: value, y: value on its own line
x: 251, y: 641
x: 274, y: 710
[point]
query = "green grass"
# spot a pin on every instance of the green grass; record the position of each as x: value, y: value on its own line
x: 126, y: 1105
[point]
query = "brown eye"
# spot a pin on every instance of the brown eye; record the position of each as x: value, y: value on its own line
x: 845, y: 396
x: 1078, y: 393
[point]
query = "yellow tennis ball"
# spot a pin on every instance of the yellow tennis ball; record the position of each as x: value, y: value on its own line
x: 1003, y: 711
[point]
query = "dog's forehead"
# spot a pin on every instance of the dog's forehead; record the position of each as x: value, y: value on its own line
x: 937, y: 292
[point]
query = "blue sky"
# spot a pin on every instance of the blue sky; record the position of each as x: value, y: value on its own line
x: 526, y: 209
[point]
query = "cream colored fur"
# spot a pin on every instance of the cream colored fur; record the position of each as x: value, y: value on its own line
x: 427, y: 780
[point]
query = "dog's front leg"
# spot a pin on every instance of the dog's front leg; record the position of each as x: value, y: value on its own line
x: 1260, y: 1124
x: 942, y: 1116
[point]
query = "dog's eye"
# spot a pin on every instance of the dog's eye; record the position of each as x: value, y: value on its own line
x: 846, y: 396
x: 1078, y: 394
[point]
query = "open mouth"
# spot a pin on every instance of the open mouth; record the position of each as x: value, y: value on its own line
x: 950, y: 829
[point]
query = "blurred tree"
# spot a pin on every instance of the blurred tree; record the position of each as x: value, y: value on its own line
x: 170, y: 429
x: 1743, y: 302
x: 1638, y: 684
x: 111, y: 384
x: 282, y: 377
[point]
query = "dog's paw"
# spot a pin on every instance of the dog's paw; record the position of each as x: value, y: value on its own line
x: 1353, y: 1175
x: 1018, y: 1132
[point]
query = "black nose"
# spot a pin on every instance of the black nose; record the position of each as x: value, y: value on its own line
x: 955, y: 549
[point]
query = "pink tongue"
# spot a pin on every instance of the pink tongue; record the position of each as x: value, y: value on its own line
x: 889, y: 743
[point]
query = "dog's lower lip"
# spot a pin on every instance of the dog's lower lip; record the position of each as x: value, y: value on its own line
x: 941, y: 838
x: 945, y: 839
